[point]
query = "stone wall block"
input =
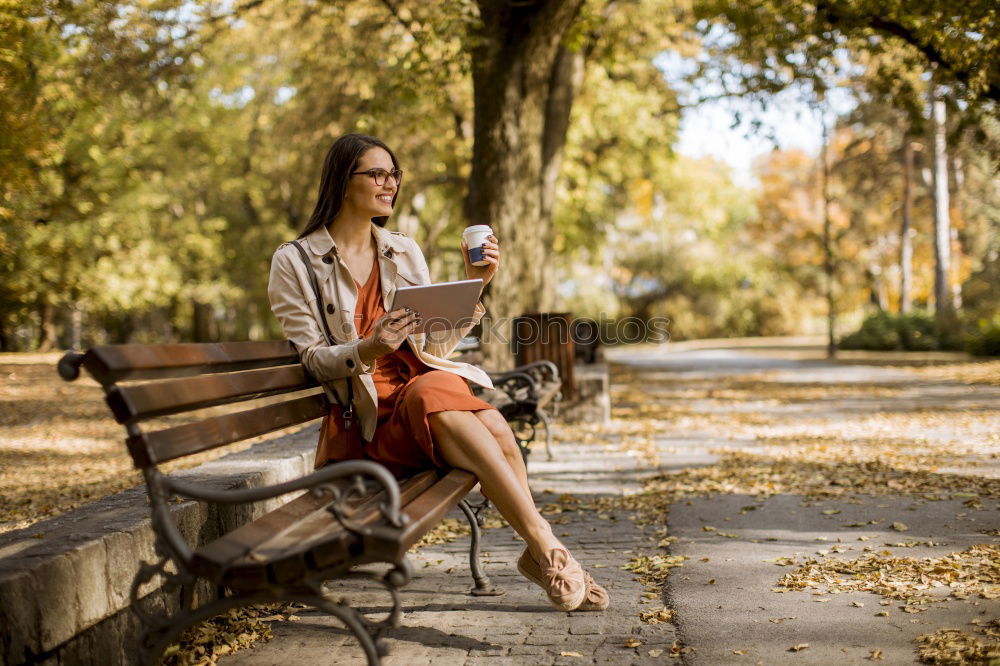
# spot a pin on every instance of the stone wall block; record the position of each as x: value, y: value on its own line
x: 18, y: 617
x: 121, y: 565
x: 92, y: 585
x: 55, y: 594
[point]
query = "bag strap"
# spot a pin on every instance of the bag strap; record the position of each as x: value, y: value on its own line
x: 348, y: 409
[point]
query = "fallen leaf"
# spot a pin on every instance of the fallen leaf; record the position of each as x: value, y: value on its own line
x: 875, y: 655
x: 655, y: 653
x: 570, y: 654
x: 799, y: 647
x: 900, y: 527
x: 632, y: 643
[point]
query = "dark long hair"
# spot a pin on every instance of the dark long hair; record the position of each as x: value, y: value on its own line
x: 340, y: 161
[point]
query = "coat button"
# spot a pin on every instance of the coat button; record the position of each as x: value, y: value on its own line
x: 329, y: 308
x: 328, y: 259
x: 350, y: 363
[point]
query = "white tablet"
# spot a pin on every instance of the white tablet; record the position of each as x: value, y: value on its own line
x: 443, y: 306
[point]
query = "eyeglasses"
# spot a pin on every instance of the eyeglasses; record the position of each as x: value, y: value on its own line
x: 379, y: 175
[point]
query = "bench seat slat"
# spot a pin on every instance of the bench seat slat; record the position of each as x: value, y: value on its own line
x: 427, y: 510
x: 179, y: 441
x: 173, y: 396
x: 214, y: 556
x: 112, y: 363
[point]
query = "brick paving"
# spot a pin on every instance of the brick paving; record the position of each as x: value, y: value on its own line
x: 443, y: 624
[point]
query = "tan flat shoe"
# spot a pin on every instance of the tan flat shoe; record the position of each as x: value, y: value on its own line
x: 597, y: 598
x: 562, y: 577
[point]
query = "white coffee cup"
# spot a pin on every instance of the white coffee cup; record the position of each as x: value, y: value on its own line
x: 474, y: 238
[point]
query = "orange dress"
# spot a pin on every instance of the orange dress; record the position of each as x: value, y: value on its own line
x: 408, y: 391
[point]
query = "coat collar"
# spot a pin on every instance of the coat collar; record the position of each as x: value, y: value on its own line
x: 388, y: 243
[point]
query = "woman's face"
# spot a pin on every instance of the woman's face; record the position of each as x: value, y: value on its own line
x: 363, y: 196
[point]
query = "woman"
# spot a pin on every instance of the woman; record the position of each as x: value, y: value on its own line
x: 403, y: 403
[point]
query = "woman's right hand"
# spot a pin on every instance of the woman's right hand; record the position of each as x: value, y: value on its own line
x: 388, y: 334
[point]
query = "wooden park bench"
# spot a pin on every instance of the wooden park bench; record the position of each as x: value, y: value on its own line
x: 526, y: 396
x: 351, y: 513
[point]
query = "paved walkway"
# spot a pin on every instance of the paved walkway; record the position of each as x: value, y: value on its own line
x: 726, y: 609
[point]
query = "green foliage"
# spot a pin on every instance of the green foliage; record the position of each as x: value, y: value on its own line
x: 772, y: 44
x: 155, y: 154
x: 884, y: 331
x: 985, y: 339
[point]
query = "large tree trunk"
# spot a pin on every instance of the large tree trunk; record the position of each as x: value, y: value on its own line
x: 905, y: 239
x: 942, y: 224
x: 523, y: 83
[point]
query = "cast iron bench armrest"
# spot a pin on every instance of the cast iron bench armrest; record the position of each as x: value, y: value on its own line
x: 510, y: 382
x: 391, y: 509
x: 541, y: 368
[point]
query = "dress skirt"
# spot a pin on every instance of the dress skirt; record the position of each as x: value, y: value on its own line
x: 408, y: 392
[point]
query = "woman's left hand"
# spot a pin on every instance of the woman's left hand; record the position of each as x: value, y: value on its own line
x: 491, y: 252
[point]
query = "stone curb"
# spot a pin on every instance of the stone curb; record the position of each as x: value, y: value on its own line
x: 65, y: 582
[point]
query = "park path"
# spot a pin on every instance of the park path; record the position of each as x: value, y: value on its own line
x: 738, y: 545
x: 683, y: 415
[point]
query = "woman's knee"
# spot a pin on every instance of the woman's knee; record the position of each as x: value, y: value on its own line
x: 501, y: 432
x: 455, y: 424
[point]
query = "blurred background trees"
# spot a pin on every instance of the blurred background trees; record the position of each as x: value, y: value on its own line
x: 154, y: 153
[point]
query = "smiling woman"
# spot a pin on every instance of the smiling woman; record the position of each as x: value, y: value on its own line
x: 399, y: 400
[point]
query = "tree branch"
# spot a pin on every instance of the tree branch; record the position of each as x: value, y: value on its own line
x: 897, y: 29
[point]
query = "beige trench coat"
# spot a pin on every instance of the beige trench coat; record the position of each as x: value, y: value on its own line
x: 401, y: 263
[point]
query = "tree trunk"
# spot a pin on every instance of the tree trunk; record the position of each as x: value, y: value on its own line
x: 942, y: 225
x: 905, y: 240
x: 47, y: 335
x: 828, y: 265
x: 75, y: 337
x: 201, y: 330
x: 523, y: 87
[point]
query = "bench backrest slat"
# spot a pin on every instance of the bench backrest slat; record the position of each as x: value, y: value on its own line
x: 113, y: 363
x: 179, y: 441
x: 131, y: 403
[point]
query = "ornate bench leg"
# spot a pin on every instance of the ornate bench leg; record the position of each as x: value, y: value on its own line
x: 483, y: 586
x: 544, y: 418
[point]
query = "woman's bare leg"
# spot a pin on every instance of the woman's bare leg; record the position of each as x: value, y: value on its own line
x: 464, y: 442
x: 501, y: 432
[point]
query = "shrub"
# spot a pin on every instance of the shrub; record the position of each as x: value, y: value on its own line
x: 878, y: 332
x: 985, y: 340
x: 917, y: 332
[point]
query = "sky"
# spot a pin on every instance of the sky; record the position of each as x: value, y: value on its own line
x: 706, y: 130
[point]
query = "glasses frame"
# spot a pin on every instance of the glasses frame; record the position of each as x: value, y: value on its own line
x: 397, y: 175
